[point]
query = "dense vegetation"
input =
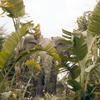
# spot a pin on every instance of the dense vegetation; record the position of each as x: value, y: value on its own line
x: 22, y: 73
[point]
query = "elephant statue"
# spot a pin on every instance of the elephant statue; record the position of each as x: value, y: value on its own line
x: 49, y: 68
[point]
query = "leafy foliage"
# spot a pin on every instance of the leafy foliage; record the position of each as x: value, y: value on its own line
x: 75, y: 86
x: 79, y: 56
x: 83, y: 21
x: 32, y: 63
x: 78, y: 45
x: 35, y: 31
x: 14, y: 8
x: 9, y: 46
x: 2, y: 36
x: 48, y: 49
x: 95, y: 21
x: 78, y: 50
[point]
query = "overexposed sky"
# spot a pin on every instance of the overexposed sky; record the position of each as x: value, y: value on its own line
x: 53, y: 15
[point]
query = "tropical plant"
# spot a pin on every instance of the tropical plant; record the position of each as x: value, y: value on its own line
x: 76, y: 65
x: 80, y: 56
x: 13, y: 9
x: 14, y: 39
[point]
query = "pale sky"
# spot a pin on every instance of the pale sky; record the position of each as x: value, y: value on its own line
x: 53, y: 15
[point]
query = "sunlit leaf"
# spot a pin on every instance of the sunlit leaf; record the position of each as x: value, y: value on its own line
x: 56, y: 56
x: 48, y: 47
x: 38, y: 48
x: 52, y: 50
x: 32, y: 63
x: 29, y: 62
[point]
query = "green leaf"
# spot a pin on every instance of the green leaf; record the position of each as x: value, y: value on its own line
x: 79, y: 48
x: 94, y: 25
x: 78, y: 41
x: 72, y: 59
x: 74, y: 71
x: 24, y: 54
x: 66, y: 32
x: 52, y: 50
x: 98, y: 60
x: 63, y: 58
x: 67, y: 37
x: 67, y: 42
x: 38, y: 48
x: 9, y: 46
x: 81, y: 52
x: 56, y: 56
x: 90, y: 40
x: 74, y: 84
x: 48, y: 47
x: 13, y: 7
x: 35, y: 64
x: 61, y: 66
x: 29, y: 62
x: 32, y: 63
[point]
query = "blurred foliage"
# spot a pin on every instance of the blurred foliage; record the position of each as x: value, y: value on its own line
x: 79, y: 58
x: 3, y: 35
x: 83, y: 21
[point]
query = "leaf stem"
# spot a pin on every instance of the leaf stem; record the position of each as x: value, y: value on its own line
x: 6, y: 77
x: 85, y: 88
